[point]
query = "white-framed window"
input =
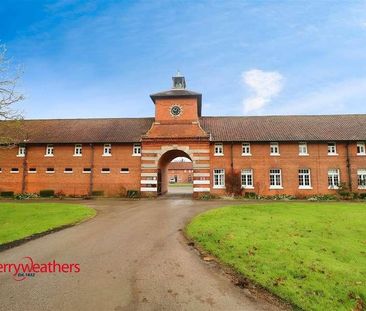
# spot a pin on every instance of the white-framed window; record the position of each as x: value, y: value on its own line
x: 14, y: 170
x: 78, y: 150
x: 219, y: 178
x: 87, y: 170
x: 124, y: 170
x: 333, y: 178
x: 304, y: 178
x: 275, y: 178
x: 50, y: 170
x: 49, y: 150
x: 21, y: 151
x: 247, y: 178
x: 68, y: 170
x: 136, y: 150
x: 105, y: 170
x: 361, y: 178
x: 303, y: 149
x: 245, y: 149
x: 274, y: 149
x: 332, y: 149
x: 107, y: 150
x: 361, y: 150
x: 32, y: 170
x: 1, y: 170
x: 219, y: 149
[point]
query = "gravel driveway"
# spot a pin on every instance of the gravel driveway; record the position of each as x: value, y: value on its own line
x: 132, y: 256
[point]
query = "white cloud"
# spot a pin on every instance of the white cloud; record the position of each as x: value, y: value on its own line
x: 264, y: 84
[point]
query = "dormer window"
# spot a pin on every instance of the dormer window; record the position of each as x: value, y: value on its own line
x: 49, y: 150
x: 136, y: 150
x: 219, y: 149
x: 107, y: 150
x: 21, y: 151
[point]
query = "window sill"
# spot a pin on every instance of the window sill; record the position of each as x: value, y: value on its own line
x: 275, y: 188
x: 14, y: 172
x: 333, y: 154
x: 106, y: 155
x: 305, y: 187
x: 124, y: 172
x: 31, y: 172
x: 136, y: 154
x: 274, y: 154
x: 246, y: 154
x: 49, y: 155
x: 50, y: 172
x: 218, y: 154
x: 77, y: 155
x: 86, y: 172
x: 105, y: 172
x: 303, y: 154
x: 361, y: 154
x: 68, y: 172
x: 218, y: 187
x: 361, y: 187
x: 20, y: 155
x: 333, y: 188
x: 247, y: 187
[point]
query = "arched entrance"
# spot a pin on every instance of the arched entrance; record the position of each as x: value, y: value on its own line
x: 164, y: 161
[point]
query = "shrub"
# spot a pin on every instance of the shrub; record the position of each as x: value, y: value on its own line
x: 206, y: 197
x: 250, y: 195
x: 98, y: 193
x: 7, y: 194
x: 132, y: 194
x: 25, y: 196
x: 322, y: 197
x: 60, y: 194
x: 47, y: 193
x: 344, y: 192
x: 362, y: 196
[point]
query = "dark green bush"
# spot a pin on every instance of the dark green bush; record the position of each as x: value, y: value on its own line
x: 98, y: 193
x: 362, y: 196
x: 132, y: 194
x: 250, y: 195
x: 47, y: 193
x: 7, y: 194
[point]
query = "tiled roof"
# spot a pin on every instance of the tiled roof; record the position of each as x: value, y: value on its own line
x: 261, y: 128
x: 286, y: 128
x: 121, y: 130
x: 180, y: 165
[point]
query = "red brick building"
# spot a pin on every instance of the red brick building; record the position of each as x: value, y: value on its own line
x: 180, y: 172
x: 298, y: 155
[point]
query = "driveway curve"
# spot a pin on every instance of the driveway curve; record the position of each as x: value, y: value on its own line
x: 132, y: 256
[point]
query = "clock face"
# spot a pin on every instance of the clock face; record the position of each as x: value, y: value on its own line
x: 175, y: 111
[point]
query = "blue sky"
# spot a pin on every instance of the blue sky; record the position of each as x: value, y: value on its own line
x: 103, y: 58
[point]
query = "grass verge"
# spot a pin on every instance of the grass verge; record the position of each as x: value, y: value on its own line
x: 310, y: 254
x: 20, y: 220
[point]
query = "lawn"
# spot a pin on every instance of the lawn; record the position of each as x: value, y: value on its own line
x: 310, y: 254
x: 20, y: 220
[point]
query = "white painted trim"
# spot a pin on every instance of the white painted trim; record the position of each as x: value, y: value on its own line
x: 247, y: 187
x: 106, y: 155
x: 201, y: 174
x: 149, y: 158
x: 149, y: 174
x: 148, y: 166
x: 201, y: 182
x: 20, y: 155
x: 201, y: 189
x: 200, y: 158
x: 136, y: 154
x: 49, y: 155
x: 148, y: 189
x: 305, y: 187
x: 77, y: 155
x: 203, y: 165
x: 275, y: 187
x: 200, y: 151
x: 246, y: 154
x: 149, y: 181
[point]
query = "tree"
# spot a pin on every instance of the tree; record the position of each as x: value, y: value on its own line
x: 9, y: 76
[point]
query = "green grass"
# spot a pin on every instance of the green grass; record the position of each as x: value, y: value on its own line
x: 181, y: 185
x: 19, y: 220
x: 310, y: 254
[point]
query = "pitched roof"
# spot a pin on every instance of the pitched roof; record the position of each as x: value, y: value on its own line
x: 286, y: 128
x: 122, y: 130
x: 127, y: 130
x: 180, y: 165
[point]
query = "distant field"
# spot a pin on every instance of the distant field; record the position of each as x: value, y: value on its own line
x: 311, y: 254
x: 20, y: 220
x: 181, y: 185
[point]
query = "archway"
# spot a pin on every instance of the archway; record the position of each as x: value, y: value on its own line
x: 163, y: 175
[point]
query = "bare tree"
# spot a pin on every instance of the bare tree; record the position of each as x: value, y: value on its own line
x: 9, y: 76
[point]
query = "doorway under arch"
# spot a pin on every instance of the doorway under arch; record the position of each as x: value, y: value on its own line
x: 163, y: 176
